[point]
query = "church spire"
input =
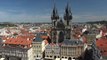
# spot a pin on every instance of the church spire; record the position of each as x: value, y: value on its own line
x: 67, y: 17
x: 54, y: 15
x: 68, y: 14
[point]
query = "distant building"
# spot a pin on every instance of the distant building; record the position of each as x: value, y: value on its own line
x: 101, y: 40
x: 5, y: 32
x: 72, y: 49
x: 39, y: 44
x: 37, y: 50
x: 52, y: 51
x: 69, y: 49
x: 16, y: 48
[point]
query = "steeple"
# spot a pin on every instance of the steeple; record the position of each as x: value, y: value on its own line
x: 68, y: 14
x: 67, y: 17
x: 60, y: 25
x: 54, y: 18
x: 54, y: 15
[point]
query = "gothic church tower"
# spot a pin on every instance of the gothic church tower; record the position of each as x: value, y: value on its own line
x: 61, y: 30
x: 67, y: 18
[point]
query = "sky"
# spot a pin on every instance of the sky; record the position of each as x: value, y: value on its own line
x: 40, y: 10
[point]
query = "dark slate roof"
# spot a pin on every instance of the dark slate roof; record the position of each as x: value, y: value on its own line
x: 72, y: 42
x: 38, y: 36
x: 60, y: 24
x: 68, y: 14
x: 54, y: 15
x: 43, y: 33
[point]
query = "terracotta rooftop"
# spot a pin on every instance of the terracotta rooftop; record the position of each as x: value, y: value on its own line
x: 102, y: 45
x: 19, y: 40
x: 44, y: 37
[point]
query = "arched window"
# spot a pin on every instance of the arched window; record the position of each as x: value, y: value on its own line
x: 37, y: 55
x: 69, y: 58
x: 61, y: 37
x: 54, y: 57
x: 47, y: 56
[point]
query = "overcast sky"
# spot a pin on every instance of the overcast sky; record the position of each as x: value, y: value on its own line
x: 40, y: 10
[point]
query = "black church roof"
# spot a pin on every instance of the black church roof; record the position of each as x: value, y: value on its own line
x: 72, y: 42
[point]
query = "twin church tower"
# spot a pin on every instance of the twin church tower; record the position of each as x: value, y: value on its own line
x: 61, y: 27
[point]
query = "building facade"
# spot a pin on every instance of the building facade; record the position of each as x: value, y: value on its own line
x: 52, y: 51
x: 39, y: 45
x: 37, y: 50
x: 63, y: 46
x: 71, y: 49
x: 16, y: 53
x: 16, y: 48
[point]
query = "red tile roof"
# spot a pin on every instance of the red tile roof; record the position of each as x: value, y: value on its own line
x: 84, y: 39
x: 19, y: 40
x: 44, y: 37
x: 102, y: 45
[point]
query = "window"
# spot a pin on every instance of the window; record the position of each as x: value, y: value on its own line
x: 47, y: 56
x: 50, y: 56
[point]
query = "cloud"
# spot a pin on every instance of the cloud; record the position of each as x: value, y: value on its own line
x: 16, y: 16
x: 88, y: 17
x: 24, y: 16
